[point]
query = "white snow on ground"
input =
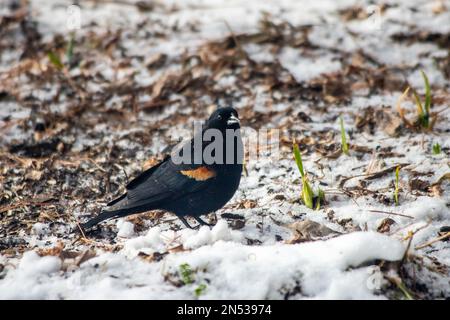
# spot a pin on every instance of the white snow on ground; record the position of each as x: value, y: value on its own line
x: 307, y: 68
x: 342, y: 267
x: 229, y: 268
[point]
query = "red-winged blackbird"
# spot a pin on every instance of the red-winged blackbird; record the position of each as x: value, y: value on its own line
x: 198, y: 179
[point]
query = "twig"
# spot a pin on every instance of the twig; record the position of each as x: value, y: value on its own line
x: 405, y: 255
x: 81, y: 230
x: 417, y: 230
x: 402, y: 228
x: 374, y: 175
x: 394, y: 214
x: 233, y: 36
x: 429, y: 243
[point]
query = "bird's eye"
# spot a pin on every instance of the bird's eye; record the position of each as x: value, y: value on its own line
x: 219, y: 117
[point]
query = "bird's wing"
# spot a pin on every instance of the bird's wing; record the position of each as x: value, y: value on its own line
x: 145, y: 175
x: 167, y: 181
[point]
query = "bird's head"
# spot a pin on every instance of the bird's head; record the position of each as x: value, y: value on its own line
x: 224, y: 118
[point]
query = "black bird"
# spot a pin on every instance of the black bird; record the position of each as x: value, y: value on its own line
x: 193, y: 188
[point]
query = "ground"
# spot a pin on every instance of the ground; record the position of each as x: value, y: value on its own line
x: 84, y: 110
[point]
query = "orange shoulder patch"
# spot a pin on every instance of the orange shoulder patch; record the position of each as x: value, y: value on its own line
x: 200, y: 174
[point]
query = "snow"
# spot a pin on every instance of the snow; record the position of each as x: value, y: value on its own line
x: 40, y: 228
x: 126, y: 229
x: 31, y: 277
x: 307, y: 68
x: 326, y: 269
x: 206, y: 235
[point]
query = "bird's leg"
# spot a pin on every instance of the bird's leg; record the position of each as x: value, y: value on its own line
x: 185, y: 222
x: 203, y: 223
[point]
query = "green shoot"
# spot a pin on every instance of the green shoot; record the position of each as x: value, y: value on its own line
x: 55, y: 60
x: 397, y: 178
x: 186, y: 273
x: 427, y: 92
x: 307, y: 194
x: 397, y: 281
x: 436, y: 148
x: 298, y: 160
x: 405, y: 291
x: 423, y: 110
x: 70, y: 46
x: 424, y: 117
x: 344, y: 145
x: 420, y: 111
x: 320, y: 198
x: 200, y: 290
x: 187, y: 277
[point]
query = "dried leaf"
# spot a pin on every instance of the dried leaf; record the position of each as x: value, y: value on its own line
x: 156, y: 61
x: 54, y: 251
x: 248, y: 204
x: 178, y: 248
x: 385, y: 225
x: 417, y: 184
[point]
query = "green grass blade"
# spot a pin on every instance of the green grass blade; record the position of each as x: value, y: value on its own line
x: 405, y: 291
x: 436, y: 148
x: 427, y: 92
x: 397, y: 178
x: 70, y: 47
x: 298, y: 160
x: 320, y: 198
x: 54, y: 59
x: 418, y: 104
x: 422, y: 113
x: 344, y: 144
x: 307, y: 194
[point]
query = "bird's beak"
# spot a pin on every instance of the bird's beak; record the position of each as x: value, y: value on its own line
x: 232, y: 120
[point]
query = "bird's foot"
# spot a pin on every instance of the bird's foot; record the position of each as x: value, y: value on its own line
x: 183, y: 219
x: 202, y: 222
x: 198, y: 219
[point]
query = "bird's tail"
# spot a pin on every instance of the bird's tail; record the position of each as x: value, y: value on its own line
x: 104, y: 215
x: 116, y: 209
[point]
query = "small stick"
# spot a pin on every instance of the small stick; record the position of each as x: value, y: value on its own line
x: 373, y: 175
x: 413, y: 232
x: 233, y: 35
x: 81, y: 229
x: 429, y: 243
x: 393, y: 213
x: 405, y: 255
x: 402, y: 228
